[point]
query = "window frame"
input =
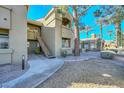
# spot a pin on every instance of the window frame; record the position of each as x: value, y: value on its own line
x: 4, y: 34
x: 67, y: 40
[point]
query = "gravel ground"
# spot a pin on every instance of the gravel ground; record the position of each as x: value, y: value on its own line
x: 11, y: 71
x: 93, y: 73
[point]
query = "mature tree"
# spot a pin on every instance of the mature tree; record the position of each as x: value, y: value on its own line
x: 117, y: 19
x: 101, y: 20
x: 110, y: 35
x: 112, y: 14
x: 77, y: 12
x: 86, y: 29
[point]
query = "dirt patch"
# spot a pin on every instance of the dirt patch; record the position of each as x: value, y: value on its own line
x: 94, y: 73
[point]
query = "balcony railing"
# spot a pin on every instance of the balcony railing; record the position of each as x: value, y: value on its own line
x: 67, y: 32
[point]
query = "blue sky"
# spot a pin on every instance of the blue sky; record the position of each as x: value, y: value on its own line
x: 39, y: 11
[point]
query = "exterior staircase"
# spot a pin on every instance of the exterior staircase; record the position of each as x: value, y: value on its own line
x: 44, y: 47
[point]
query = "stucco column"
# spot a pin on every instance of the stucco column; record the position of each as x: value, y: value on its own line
x: 18, y: 33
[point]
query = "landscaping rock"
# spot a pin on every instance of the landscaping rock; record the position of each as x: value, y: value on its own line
x: 114, y: 50
x: 120, y: 53
x: 107, y: 54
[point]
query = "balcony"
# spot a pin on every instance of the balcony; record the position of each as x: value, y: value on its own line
x: 67, y: 32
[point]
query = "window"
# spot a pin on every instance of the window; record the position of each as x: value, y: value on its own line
x: 66, y: 42
x: 4, y: 39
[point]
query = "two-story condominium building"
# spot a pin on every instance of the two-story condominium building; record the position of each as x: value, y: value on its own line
x: 56, y: 32
x: 19, y: 37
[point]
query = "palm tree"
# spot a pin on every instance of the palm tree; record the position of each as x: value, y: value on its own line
x: 116, y: 15
x: 87, y: 30
x: 117, y: 21
x: 100, y: 22
x: 110, y: 35
x: 113, y: 14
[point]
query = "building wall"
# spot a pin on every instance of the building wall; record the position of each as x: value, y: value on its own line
x: 67, y: 33
x: 60, y: 32
x: 48, y: 35
x: 5, y: 15
x: 48, y: 31
x: 91, y: 44
x: 17, y: 31
x: 49, y: 20
x: 58, y: 36
x: 32, y: 31
x: 52, y: 32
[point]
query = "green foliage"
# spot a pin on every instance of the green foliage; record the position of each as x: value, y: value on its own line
x: 112, y: 14
x: 37, y: 50
x: 63, y: 53
x: 99, y: 42
x: 62, y: 10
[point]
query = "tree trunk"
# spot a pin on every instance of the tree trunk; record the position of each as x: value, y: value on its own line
x: 101, y: 35
x: 118, y: 30
x: 87, y: 34
x: 76, y: 32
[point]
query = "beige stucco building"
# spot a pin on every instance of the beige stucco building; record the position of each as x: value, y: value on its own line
x: 18, y: 36
x: 13, y: 33
x: 33, y: 27
x: 56, y: 32
x: 92, y: 43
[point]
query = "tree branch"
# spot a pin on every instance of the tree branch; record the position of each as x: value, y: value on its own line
x: 83, y: 12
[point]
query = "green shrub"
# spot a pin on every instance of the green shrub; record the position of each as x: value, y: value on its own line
x: 37, y: 50
x: 63, y: 53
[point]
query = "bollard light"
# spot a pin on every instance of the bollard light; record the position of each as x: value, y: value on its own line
x: 23, y: 62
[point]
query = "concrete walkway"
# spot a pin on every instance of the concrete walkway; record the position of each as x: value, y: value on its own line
x: 83, y: 56
x: 39, y: 71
